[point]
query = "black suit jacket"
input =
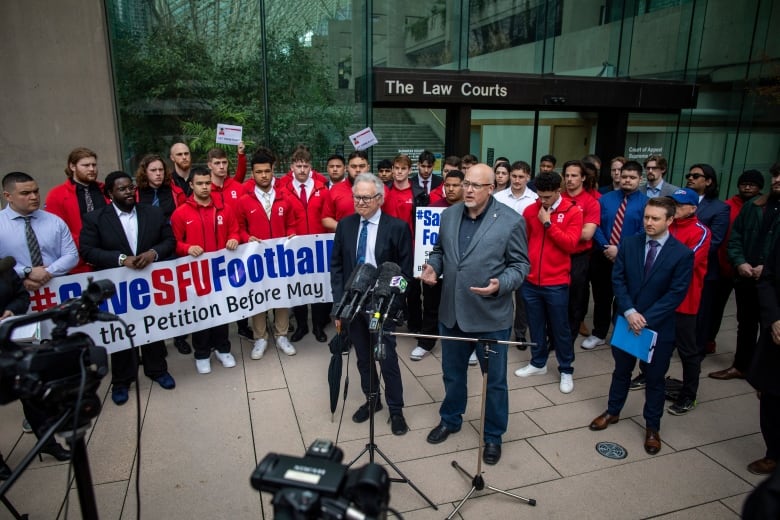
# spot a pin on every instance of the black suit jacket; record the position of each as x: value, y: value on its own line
x: 393, y: 244
x: 103, y: 238
x: 766, y: 360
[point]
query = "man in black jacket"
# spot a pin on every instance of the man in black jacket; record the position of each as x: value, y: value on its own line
x: 126, y: 234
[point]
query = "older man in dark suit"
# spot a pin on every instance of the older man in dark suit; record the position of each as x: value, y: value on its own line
x: 126, y: 234
x: 370, y: 236
x: 482, y: 257
x: 650, y: 279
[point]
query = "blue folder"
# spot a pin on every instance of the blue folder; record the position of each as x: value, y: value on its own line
x: 639, y: 345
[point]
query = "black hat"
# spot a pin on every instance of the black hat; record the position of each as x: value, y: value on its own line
x: 752, y: 176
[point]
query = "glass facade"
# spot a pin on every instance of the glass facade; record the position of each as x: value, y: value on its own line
x: 297, y: 71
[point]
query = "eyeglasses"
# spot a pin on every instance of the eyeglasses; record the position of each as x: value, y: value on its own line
x: 652, y: 168
x: 364, y: 199
x: 475, y: 185
x: 126, y: 189
x: 694, y: 176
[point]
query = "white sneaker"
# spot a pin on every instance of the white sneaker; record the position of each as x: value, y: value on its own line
x: 283, y: 344
x: 203, y: 365
x: 530, y: 370
x: 592, y: 342
x: 418, y: 353
x: 259, y: 349
x: 567, y: 383
x: 473, y: 358
x: 226, y: 358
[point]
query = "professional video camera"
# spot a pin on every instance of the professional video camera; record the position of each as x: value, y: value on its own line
x: 318, y: 486
x: 53, y: 373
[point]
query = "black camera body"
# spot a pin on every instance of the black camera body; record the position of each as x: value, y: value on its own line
x: 318, y: 486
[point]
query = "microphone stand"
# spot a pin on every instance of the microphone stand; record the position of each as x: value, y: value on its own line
x: 373, y: 398
x: 477, y: 482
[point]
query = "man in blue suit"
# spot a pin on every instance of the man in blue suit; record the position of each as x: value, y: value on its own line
x: 387, y: 239
x: 650, y: 279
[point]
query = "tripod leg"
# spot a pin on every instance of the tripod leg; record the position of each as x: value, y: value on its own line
x: 12, y: 509
x: 529, y: 501
x: 460, y: 504
x: 405, y: 478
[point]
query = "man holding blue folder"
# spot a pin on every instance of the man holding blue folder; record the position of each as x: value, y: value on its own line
x: 650, y: 279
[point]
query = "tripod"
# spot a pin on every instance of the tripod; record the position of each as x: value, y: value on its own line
x: 477, y: 481
x: 80, y: 468
x: 373, y: 398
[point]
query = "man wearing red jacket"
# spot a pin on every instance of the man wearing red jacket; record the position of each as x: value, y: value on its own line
x: 554, y: 227
x: 264, y: 214
x: 338, y: 201
x: 687, y: 229
x: 223, y: 187
x: 204, y: 224
x: 80, y: 194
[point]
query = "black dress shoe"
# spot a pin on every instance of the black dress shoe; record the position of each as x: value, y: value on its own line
x: 362, y: 413
x: 440, y: 433
x: 398, y: 424
x: 56, y: 451
x: 320, y: 335
x: 299, y: 333
x: 182, y: 346
x: 491, y: 454
x: 246, y: 332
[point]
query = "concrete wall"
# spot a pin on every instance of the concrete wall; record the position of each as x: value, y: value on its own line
x: 55, y: 89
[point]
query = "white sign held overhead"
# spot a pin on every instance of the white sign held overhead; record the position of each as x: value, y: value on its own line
x: 363, y: 139
x: 229, y: 134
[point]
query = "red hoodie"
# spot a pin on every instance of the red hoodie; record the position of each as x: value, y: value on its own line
x: 697, y: 237
x: 209, y: 226
x: 253, y: 220
x: 550, y: 250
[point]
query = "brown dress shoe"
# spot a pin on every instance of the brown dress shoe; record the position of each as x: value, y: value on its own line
x: 652, y: 441
x: 728, y: 373
x: 762, y: 466
x: 602, y: 421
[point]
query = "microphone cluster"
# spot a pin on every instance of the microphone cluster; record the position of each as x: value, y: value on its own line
x: 379, y: 289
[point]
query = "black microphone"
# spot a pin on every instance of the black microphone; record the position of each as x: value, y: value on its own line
x: 364, y: 277
x: 338, y: 307
x: 389, y: 284
x: 7, y: 263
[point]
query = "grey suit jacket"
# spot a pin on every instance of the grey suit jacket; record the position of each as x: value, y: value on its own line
x: 498, y: 250
x: 666, y: 189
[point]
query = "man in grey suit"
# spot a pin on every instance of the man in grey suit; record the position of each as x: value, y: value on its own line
x: 655, y: 169
x: 482, y: 258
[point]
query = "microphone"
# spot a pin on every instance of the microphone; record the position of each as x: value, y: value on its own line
x: 7, y: 263
x: 363, y: 277
x: 389, y: 284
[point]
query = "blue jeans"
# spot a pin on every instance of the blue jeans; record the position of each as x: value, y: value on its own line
x: 549, y: 305
x: 455, y: 363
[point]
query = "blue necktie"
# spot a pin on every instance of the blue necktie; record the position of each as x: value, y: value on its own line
x: 156, y: 199
x: 651, y: 254
x: 362, y: 243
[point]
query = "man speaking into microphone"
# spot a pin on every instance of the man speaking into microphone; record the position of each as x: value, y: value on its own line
x: 371, y: 237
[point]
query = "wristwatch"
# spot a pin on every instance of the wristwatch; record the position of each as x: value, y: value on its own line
x: 27, y: 271
x: 122, y: 259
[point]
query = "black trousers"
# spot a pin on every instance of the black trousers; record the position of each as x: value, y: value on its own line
x: 601, y: 284
x: 769, y: 414
x: 363, y: 340
x: 578, y: 291
x: 215, y: 337
x: 748, y: 314
x: 124, y: 368
x: 414, y: 310
x: 430, y: 314
x: 520, y: 326
x: 320, y: 315
x: 690, y: 353
x: 723, y: 288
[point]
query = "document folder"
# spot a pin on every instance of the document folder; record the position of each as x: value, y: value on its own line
x: 639, y: 345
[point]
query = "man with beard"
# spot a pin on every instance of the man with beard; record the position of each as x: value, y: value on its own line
x: 126, y: 234
x: 182, y: 162
x: 753, y: 237
x: 655, y: 168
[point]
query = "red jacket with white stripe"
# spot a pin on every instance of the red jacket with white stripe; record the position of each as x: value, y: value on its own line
x: 697, y: 237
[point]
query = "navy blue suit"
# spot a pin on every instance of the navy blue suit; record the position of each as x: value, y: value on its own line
x: 393, y: 244
x: 714, y: 214
x: 655, y: 296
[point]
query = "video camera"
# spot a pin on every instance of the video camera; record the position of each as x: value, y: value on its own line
x: 58, y: 373
x: 318, y: 486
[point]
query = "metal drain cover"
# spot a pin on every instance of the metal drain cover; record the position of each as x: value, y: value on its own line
x: 611, y: 450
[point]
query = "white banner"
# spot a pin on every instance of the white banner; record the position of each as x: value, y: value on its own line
x: 177, y: 297
x: 426, y: 234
